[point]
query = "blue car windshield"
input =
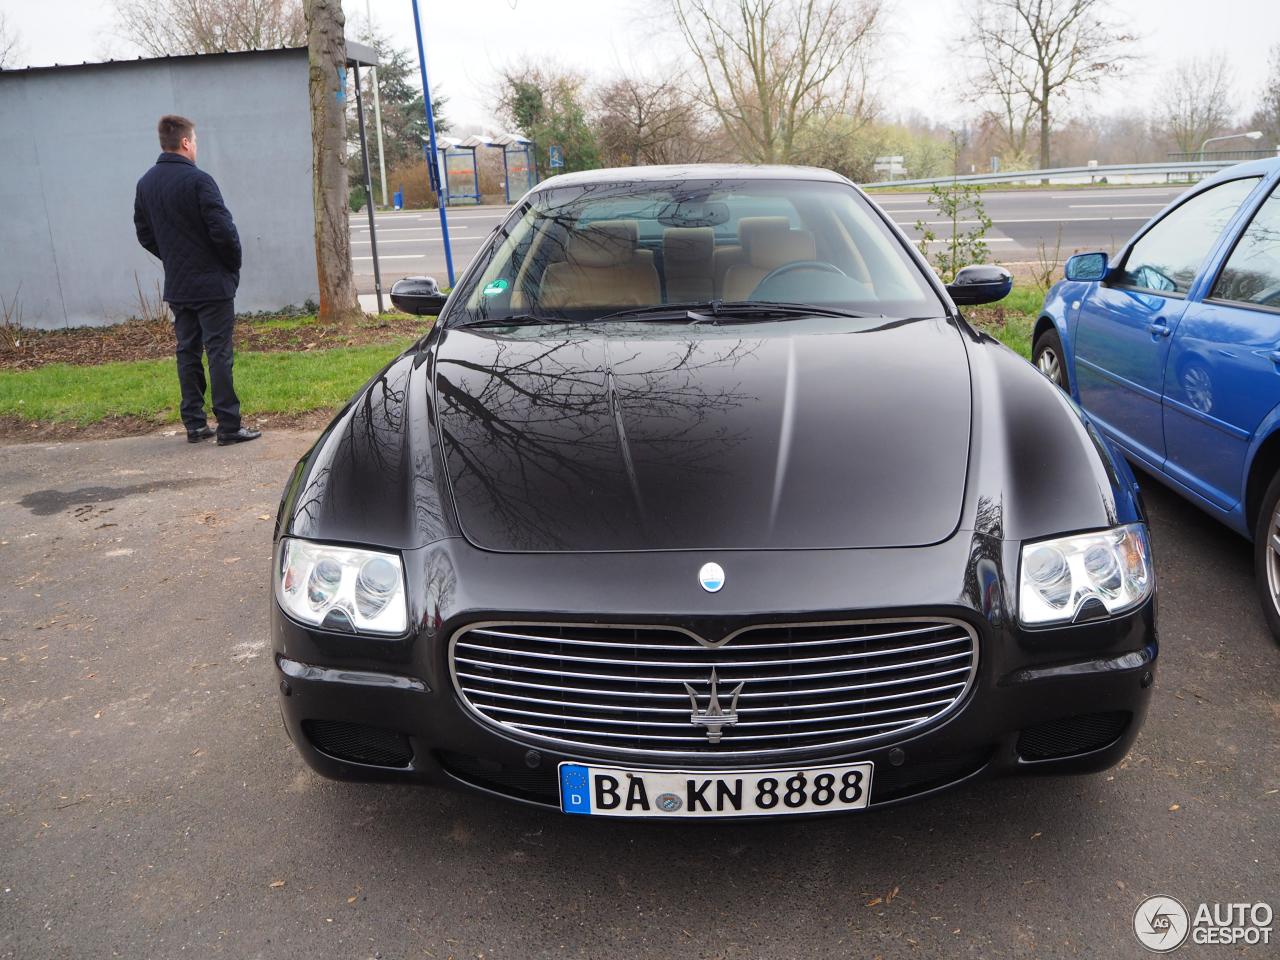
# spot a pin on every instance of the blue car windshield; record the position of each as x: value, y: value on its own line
x: 584, y: 251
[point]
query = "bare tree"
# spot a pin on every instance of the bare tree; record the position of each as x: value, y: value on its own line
x: 10, y: 43
x: 161, y: 28
x: 1195, y: 100
x: 640, y: 122
x: 997, y: 83
x: 1039, y: 52
x: 773, y: 68
x: 1267, y: 117
x: 327, y: 58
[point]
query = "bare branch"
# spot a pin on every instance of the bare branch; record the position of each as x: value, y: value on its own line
x: 162, y: 28
x: 772, y: 68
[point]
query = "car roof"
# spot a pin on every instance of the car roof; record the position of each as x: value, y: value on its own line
x: 690, y: 171
x: 1250, y: 168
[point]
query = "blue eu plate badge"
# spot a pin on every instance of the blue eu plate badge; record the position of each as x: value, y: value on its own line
x: 575, y: 788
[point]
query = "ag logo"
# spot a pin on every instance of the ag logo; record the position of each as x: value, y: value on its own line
x: 1161, y: 924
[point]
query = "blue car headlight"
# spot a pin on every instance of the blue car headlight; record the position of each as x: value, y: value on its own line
x: 341, y: 588
x: 1058, y: 577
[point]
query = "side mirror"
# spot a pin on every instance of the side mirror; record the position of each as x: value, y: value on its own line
x: 980, y: 283
x: 420, y: 295
x: 1086, y: 267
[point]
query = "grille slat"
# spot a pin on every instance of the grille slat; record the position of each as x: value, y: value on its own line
x: 697, y: 673
x: 578, y: 641
x: 672, y: 711
x: 623, y: 687
x: 744, y: 696
x: 574, y: 658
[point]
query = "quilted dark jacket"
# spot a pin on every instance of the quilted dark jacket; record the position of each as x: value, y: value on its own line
x: 180, y: 217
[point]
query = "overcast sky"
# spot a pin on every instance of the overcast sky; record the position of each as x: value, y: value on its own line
x: 468, y: 41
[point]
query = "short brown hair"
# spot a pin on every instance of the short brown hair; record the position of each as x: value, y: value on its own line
x: 172, y: 129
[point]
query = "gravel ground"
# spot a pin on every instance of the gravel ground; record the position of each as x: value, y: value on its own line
x: 151, y: 806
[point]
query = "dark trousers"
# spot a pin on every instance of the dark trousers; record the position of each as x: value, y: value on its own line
x: 206, y: 327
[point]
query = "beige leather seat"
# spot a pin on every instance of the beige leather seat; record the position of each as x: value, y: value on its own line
x: 687, y: 262
x: 725, y: 257
x: 602, y: 268
x: 767, y: 243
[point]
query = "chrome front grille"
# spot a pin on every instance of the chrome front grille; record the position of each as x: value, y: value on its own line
x: 803, y: 686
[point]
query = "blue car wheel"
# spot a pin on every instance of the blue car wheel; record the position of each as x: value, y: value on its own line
x: 1049, y: 359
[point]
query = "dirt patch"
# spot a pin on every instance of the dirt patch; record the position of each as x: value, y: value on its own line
x: 14, y: 430
x: 151, y: 340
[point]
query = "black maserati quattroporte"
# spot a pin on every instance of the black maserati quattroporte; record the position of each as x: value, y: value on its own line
x: 702, y: 499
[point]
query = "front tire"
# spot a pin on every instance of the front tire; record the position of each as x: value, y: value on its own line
x: 1266, y: 556
x: 1049, y: 358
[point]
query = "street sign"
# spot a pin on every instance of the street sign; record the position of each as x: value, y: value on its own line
x: 556, y: 156
x: 891, y: 166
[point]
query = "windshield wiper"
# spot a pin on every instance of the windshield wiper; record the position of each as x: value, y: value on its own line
x: 514, y: 320
x: 732, y: 311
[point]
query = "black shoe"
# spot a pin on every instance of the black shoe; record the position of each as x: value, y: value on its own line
x: 200, y: 433
x: 243, y: 435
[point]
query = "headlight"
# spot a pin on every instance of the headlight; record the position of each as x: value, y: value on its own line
x: 340, y: 588
x: 1060, y: 576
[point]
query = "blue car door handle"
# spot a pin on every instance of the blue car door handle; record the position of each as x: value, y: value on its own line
x: 1158, y: 328
x: 1275, y: 357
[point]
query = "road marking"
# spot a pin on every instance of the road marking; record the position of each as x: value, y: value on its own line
x: 984, y: 240
x: 1149, y: 192
x: 1090, y: 206
x: 406, y: 229
x: 996, y: 223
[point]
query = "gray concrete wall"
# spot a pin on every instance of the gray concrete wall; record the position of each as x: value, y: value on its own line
x: 75, y: 140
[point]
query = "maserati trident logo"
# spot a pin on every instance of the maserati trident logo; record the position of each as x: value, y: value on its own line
x: 715, y: 718
x: 711, y: 576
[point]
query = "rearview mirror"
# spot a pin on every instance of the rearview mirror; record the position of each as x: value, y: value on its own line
x: 1086, y: 267
x: 420, y: 295
x: 980, y: 283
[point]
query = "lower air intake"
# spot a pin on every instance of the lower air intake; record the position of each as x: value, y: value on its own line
x: 357, y: 743
x: 1065, y: 738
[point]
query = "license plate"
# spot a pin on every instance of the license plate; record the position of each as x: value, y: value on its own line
x: 616, y: 792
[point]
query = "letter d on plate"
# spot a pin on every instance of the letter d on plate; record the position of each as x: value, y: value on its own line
x: 575, y: 788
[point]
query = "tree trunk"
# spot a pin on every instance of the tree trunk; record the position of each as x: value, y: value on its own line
x: 327, y: 58
x: 1044, y: 126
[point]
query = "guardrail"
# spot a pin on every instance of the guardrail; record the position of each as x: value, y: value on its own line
x: 1187, y: 167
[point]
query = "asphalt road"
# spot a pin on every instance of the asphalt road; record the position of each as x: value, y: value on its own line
x: 1089, y: 219
x: 151, y: 805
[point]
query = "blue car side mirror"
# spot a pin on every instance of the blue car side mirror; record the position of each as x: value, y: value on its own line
x: 1086, y: 267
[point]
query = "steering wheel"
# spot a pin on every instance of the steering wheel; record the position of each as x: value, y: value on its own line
x: 820, y: 265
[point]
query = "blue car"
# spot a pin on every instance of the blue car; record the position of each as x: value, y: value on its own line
x: 1173, y: 349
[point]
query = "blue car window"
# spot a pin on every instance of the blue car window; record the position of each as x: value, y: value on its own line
x: 1167, y: 257
x: 1252, y: 272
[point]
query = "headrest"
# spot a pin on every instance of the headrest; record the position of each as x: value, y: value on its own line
x: 770, y: 242
x: 605, y: 243
x: 688, y: 251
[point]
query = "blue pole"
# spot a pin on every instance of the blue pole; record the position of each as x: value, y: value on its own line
x: 431, y: 134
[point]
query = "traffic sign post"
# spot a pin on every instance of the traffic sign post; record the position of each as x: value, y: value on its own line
x: 435, y: 155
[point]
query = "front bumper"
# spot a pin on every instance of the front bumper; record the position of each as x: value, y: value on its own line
x: 1066, y: 700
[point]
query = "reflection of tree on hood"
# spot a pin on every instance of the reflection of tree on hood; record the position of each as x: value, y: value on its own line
x: 560, y: 414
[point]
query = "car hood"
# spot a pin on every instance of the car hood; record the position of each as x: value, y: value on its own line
x: 801, y: 434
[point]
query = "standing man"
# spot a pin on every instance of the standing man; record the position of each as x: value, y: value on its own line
x: 180, y: 218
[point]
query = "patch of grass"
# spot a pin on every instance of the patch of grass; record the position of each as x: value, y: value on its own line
x: 284, y: 323
x: 279, y: 382
x: 1012, y: 320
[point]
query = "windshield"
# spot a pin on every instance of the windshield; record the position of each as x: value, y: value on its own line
x: 577, y: 253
